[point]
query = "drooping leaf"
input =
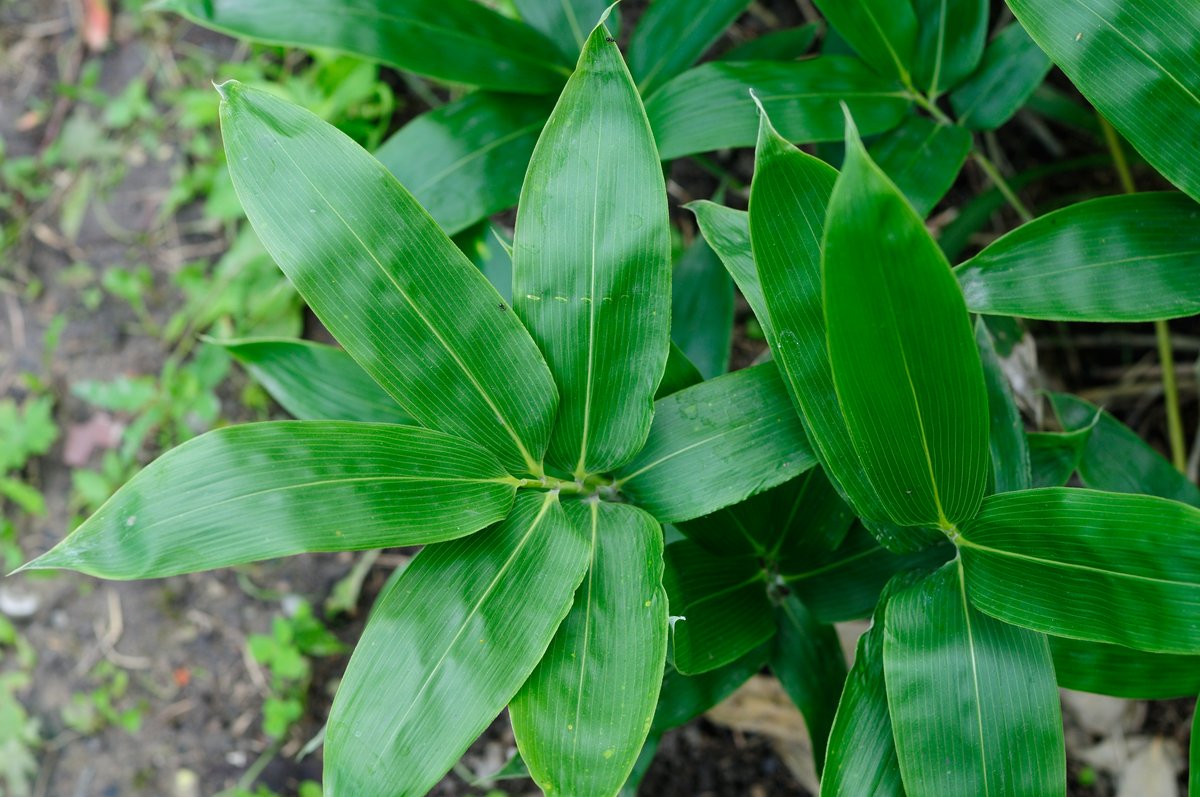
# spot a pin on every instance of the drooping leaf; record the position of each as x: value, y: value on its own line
x: 673, y: 34
x: 715, y: 444
x: 405, y: 303
x: 685, y: 697
x: 702, y: 309
x: 1012, y: 68
x: 778, y: 45
x: 1123, y: 672
x: 1054, y: 456
x: 1136, y: 61
x: 1007, y: 442
x: 720, y: 605
x: 592, y: 264
x: 809, y: 663
x: 565, y: 22
x: 465, y: 160
x: 922, y: 158
x: 950, y: 38
x: 973, y: 702
x: 262, y: 490
x: 882, y: 32
x: 1105, y: 567
x: 447, y: 646
x: 709, y: 107
x: 583, y: 715
x: 1134, y: 257
x: 314, y: 382
x: 1117, y: 459
x: 459, y: 41
x: 902, y: 352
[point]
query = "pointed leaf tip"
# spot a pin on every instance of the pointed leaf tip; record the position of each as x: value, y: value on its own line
x: 607, y: 11
x: 226, y: 88
x: 852, y: 136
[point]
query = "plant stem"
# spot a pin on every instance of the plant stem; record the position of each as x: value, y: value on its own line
x: 1162, y: 332
x: 1002, y: 185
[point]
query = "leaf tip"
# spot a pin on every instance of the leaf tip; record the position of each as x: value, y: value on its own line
x: 228, y: 89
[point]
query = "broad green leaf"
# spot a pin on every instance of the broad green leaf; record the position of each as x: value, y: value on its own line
x: 459, y: 41
x: 679, y: 374
x: 465, y: 160
x: 720, y: 605
x: 902, y: 351
x: 845, y: 584
x: 779, y: 45
x: 1134, y: 257
x: 489, y: 253
x: 1054, y: 456
x: 882, y: 32
x: 809, y: 663
x: 1105, y: 567
x: 583, y: 715
x: 1123, y: 672
x: 263, y: 490
x: 922, y: 158
x: 565, y: 22
x: 1117, y: 459
x: 685, y: 697
x: 709, y: 107
x: 1138, y: 62
x: 715, y: 444
x: 950, y: 40
x: 447, y: 645
x: 405, y: 303
x: 702, y: 309
x: 1012, y: 68
x: 1007, y: 442
x: 592, y: 262
x: 973, y: 701
x: 673, y: 34
x: 314, y: 382
x: 727, y: 231
x: 862, y: 752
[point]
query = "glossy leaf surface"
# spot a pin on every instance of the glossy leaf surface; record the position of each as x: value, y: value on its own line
x: 715, y: 444
x: 680, y: 373
x: 728, y: 233
x: 973, y: 702
x: 923, y: 159
x: 673, y: 34
x: 565, y: 22
x: 1134, y: 257
x: 882, y: 32
x: 350, y: 238
x: 1123, y: 672
x: 453, y: 40
x: 1138, y: 62
x: 778, y: 45
x: 592, y: 262
x: 902, y: 352
x: 582, y: 716
x: 1054, y: 456
x: 702, y: 309
x: 685, y: 697
x: 447, y: 646
x: 950, y: 38
x: 262, y: 490
x: 466, y: 160
x: 1007, y: 442
x: 1106, y: 567
x: 1012, y: 68
x: 709, y: 107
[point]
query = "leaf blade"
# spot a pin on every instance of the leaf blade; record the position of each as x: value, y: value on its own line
x: 673, y: 34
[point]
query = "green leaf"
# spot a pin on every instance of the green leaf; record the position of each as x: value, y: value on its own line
x: 1117, y: 459
x: 720, y: 605
x: 702, y: 309
x: 1054, y: 456
x: 1012, y: 69
x: 458, y: 41
x: 862, y: 752
x: 709, y: 108
x: 592, y: 262
x: 715, y: 444
x: 1106, y: 567
x: 973, y: 701
x: 882, y: 32
x: 809, y: 663
x: 950, y: 40
x: 314, y: 382
x: 583, y: 715
x: 262, y: 490
x: 673, y: 34
x: 565, y: 22
x: 405, y: 303
x: 902, y: 351
x: 680, y: 374
x: 727, y: 231
x: 685, y: 697
x: 1123, y: 672
x: 778, y: 45
x: 1122, y: 258
x: 485, y: 247
x: 1007, y: 442
x: 1136, y: 61
x: 447, y: 645
x: 923, y: 159
x: 465, y: 160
